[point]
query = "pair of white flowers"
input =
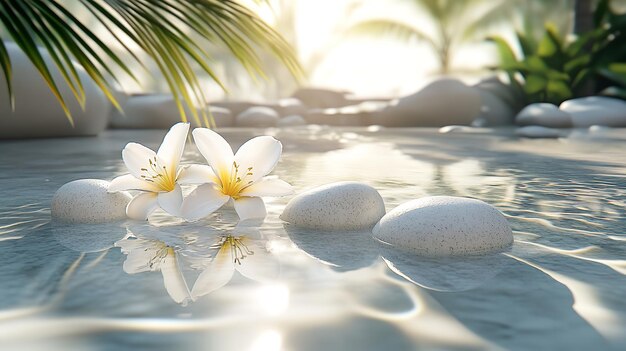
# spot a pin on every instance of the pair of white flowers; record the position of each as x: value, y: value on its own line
x: 241, y: 177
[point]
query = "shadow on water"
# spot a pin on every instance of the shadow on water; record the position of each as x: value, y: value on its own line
x: 348, y: 251
x: 523, y: 300
x: 341, y: 251
x: 447, y: 274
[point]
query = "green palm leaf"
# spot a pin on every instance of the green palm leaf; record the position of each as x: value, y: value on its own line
x: 167, y: 30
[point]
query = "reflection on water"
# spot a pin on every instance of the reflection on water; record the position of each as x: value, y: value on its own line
x: 446, y: 273
x: 217, y: 255
x: 146, y: 255
x: 244, y: 253
x: 168, y: 284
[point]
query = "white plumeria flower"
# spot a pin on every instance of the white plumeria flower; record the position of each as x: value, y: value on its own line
x: 147, y: 255
x: 156, y: 175
x: 246, y: 254
x: 240, y: 177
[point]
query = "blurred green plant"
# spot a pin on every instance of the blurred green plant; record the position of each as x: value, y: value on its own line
x: 161, y: 28
x: 555, y: 69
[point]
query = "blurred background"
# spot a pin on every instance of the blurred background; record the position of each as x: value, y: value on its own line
x: 382, y: 48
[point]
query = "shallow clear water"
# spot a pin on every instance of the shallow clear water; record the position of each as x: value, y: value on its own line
x: 561, y: 286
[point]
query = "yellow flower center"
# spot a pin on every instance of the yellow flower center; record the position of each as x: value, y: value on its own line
x: 238, y: 249
x: 233, y: 182
x: 164, y: 178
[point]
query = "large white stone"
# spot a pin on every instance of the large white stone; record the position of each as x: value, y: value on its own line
x: 539, y: 132
x: 336, y: 206
x: 258, y: 116
x: 290, y: 106
x: 87, y: 201
x: 441, y: 103
x: 545, y: 115
x: 445, y: 225
x: 291, y: 121
x: 322, y: 98
x: 596, y: 110
x: 159, y: 111
x: 38, y: 112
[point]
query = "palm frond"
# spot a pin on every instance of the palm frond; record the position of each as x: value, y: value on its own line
x: 166, y: 30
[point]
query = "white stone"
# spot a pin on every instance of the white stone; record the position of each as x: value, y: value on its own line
x: 599, y: 129
x: 441, y: 103
x: 258, y: 116
x: 38, y: 112
x: 463, y: 129
x: 290, y: 121
x: 445, y: 225
x: 539, y: 132
x: 159, y: 111
x: 596, y: 110
x: 336, y: 206
x: 322, y: 98
x: 545, y: 115
x: 87, y: 201
x: 290, y: 106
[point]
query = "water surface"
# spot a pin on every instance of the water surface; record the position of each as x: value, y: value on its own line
x: 125, y: 286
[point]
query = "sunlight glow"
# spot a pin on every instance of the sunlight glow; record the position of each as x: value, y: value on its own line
x: 273, y: 299
x: 269, y: 340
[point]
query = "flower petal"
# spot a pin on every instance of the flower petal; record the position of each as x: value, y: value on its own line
x: 215, y: 150
x: 250, y: 207
x: 130, y: 182
x: 203, y: 201
x: 196, y: 174
x: 141, y: 206
x: 268, y: 186
x: 218, y: 273
x: 171, y: 201
x: 173, y: 278
x: 173, y: 145
x: 261, y: 265
x: 261, y: 153
x: 136, y: 157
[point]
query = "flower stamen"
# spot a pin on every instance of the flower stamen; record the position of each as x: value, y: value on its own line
x: 238, y: 249
x: 159, y: 175
x: 236, y: 182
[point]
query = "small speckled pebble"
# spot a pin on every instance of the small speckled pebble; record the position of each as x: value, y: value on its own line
x: 445, y: 225
x: 87, y: 201
x: 336, y: 206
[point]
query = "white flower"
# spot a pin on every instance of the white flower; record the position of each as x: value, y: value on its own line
x: 240, y: 177
x: 146, y: 255
x: 156, y: 174
x: 245, y: 254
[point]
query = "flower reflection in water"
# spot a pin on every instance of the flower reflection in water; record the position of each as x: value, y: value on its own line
x: 217, y: 254
x: 149, y: 255
x: 246, y: 253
